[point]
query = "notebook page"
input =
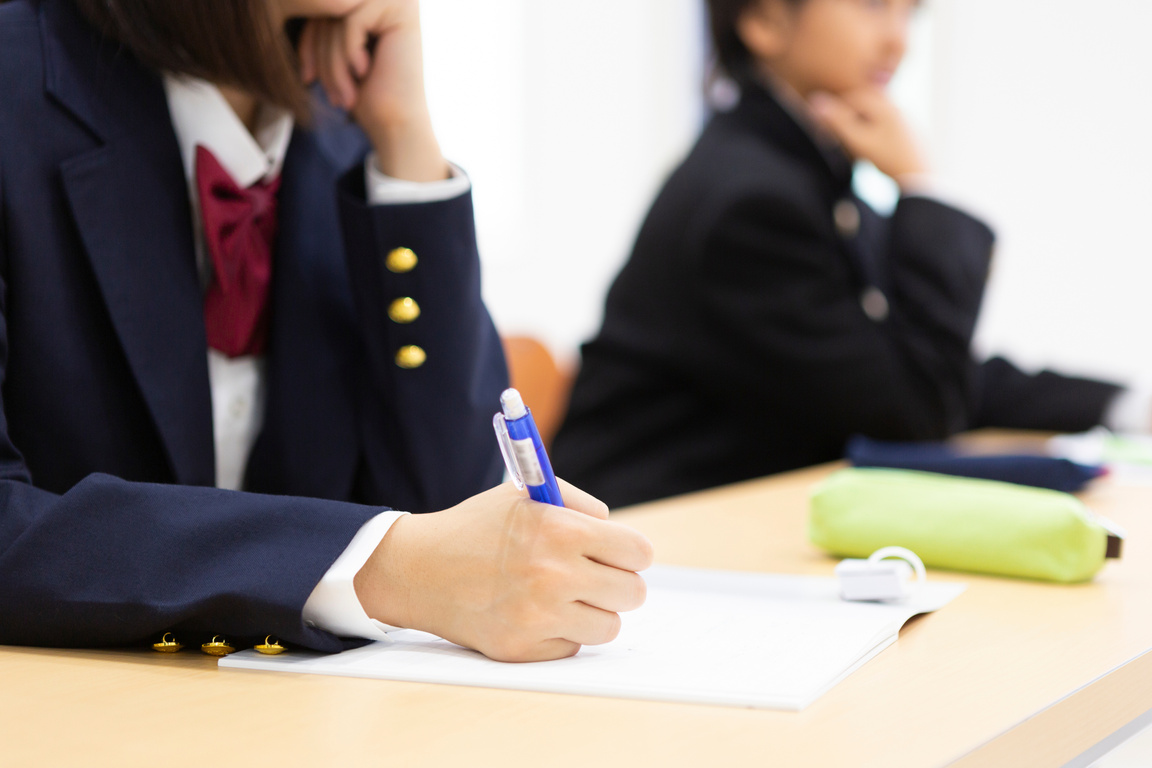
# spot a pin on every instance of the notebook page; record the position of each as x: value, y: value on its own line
x: 715, y: 637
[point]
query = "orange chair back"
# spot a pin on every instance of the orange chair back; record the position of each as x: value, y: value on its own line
x: 544, y: 383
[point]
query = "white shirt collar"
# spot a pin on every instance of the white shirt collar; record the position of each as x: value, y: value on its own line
x: 202, y: 117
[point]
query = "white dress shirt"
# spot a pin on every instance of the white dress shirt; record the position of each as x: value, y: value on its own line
x: 202, y: 117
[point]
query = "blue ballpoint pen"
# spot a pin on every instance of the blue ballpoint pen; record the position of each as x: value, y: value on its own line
x: 523, y: 450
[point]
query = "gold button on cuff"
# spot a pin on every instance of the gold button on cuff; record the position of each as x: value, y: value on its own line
x: 270, y: 647
x: 218, y: 647
x: 411, y: 357
x: 404, y: 310
x: 167, y: 644
x: 401, y: 260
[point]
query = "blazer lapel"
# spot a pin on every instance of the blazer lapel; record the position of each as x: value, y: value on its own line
x: 130, y: 202
x: 309, y: 443
x: 760, y: 108
x: 779, y: 126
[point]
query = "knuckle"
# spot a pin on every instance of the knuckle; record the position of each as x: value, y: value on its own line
x: 639, y: 593
x: 545, y: 578
x: 611, y: 628
x: 561, y: 527
x: 645, y: 552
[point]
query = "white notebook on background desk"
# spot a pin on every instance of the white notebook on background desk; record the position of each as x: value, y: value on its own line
x: 709, y: 637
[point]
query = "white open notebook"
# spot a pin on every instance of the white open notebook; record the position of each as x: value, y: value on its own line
x: 712, y: 637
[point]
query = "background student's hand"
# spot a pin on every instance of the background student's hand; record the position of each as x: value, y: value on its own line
x: 512, y: 578
x: 384, y: 88
x: 871, y: 128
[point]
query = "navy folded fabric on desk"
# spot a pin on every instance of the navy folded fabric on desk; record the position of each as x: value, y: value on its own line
x: 1038, y: 471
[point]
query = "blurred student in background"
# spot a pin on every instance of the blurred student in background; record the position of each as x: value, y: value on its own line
x: 767, y: 313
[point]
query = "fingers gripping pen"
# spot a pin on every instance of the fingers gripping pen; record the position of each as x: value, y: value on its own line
x: 523, y: 450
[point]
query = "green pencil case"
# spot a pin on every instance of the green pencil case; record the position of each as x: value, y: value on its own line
x: 961, y: 524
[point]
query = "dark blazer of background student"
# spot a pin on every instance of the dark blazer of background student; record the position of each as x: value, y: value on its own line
x: 110, y: 529
x: 767, y: 314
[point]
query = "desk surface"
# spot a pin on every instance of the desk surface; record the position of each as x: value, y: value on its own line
x: 1012, y: 673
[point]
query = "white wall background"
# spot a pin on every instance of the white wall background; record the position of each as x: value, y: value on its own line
x: 569, y: 115
x: 1043, y: 115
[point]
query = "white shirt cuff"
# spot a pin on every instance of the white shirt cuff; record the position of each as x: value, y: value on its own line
x: 1131, y: 410
x: 919, y: 185
x: 386, y: 190
x: 333, y: 605
x: 929, y: 187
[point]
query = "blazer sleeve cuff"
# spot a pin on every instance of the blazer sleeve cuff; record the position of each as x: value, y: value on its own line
x: 930, y: 187
x: 333, y: 605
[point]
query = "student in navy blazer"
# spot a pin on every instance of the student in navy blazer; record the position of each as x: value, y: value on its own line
x: 767, y: 313
x: 111, y: 529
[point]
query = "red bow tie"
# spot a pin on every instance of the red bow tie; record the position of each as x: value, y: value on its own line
x: 239, y: 231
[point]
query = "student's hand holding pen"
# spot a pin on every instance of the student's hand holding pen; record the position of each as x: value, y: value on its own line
x: 871, y: 128
x: 370, y: 62
x: 512, y: 578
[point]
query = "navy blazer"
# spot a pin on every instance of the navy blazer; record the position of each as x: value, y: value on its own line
x: 767, y: 314
x: 111, y: 531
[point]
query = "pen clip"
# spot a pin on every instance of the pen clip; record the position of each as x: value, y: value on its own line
x: 505, y: 440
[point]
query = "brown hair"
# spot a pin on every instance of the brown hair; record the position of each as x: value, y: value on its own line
x: 230, y: 42
x: 732, y: 56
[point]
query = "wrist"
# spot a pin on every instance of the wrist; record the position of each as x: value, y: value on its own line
x: 910, y: 164
x: 382, y: 585
x: 910, y: 173
x: 916, y: 183
x: 406, y: 148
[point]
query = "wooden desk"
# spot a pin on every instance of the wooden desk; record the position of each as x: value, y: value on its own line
x: 1011, y: 674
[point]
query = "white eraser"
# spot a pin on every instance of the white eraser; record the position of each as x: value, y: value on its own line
x: 874, y: 579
